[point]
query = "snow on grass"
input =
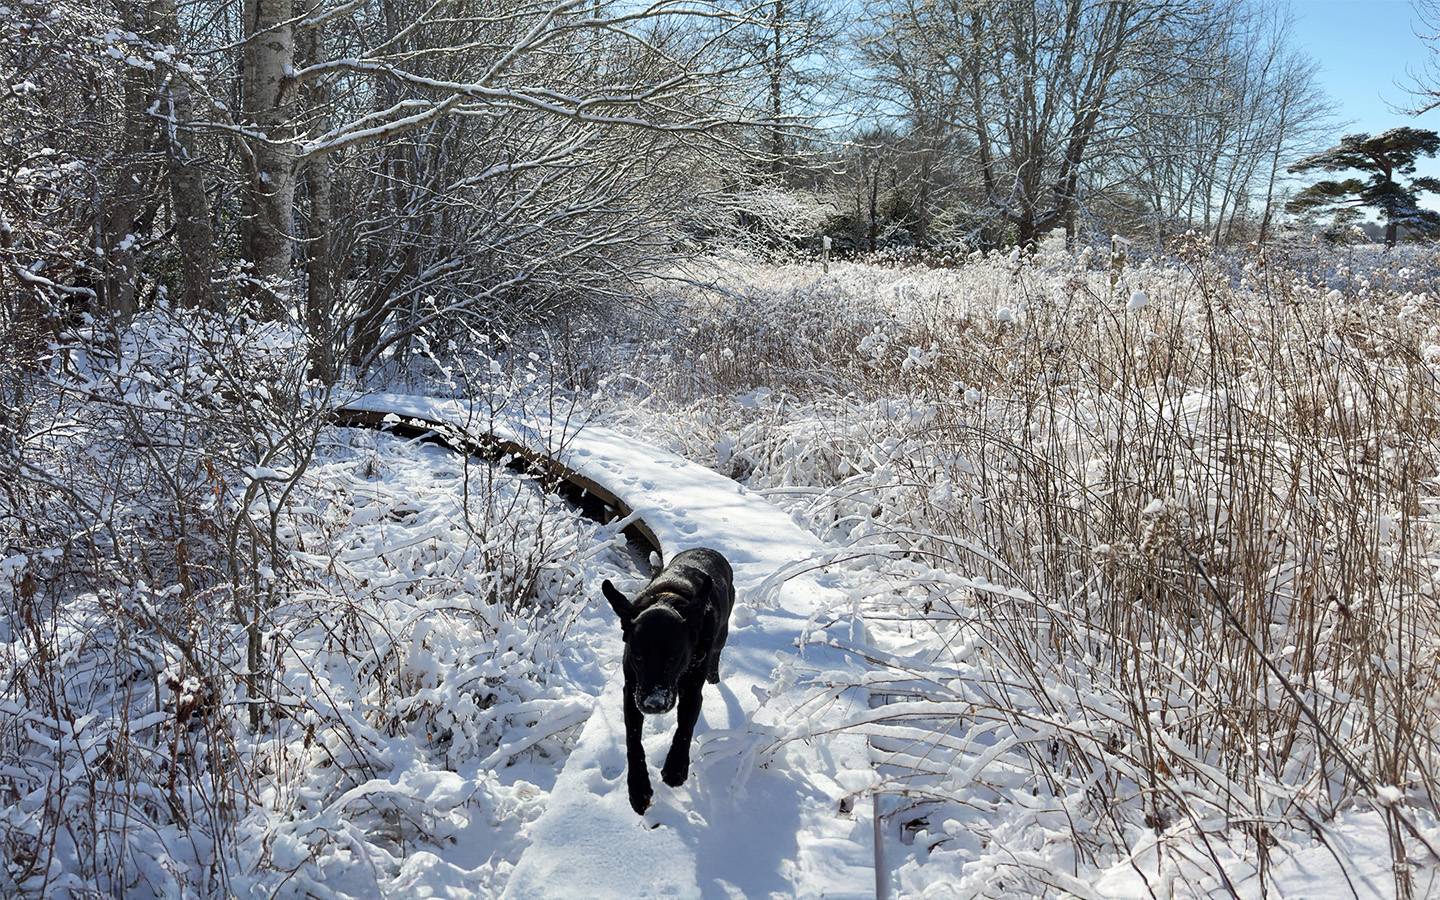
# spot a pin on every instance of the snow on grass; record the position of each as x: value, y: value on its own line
x: 429, y: 654
x: 1142, y: 600
x: 441, y: 651
x: 1162, y: 582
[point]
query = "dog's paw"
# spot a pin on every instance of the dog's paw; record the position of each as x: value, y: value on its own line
x: 713, y: 676
x: 640, y: 795
x: 675, y: 772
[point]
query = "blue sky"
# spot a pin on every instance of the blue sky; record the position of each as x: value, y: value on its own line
x: 1363, y: 48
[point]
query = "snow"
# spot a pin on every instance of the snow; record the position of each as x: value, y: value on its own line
x: 1389, y: 794
x: 848, y: 444
x: 760, y: 814
x: 264, y: 473
x: 491, y: 699
x: 1352, y: 860
x: 489, y: 729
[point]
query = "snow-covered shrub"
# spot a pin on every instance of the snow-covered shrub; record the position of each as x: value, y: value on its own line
x: 241, y: 649
x: 140, y: 471
x: 416, y: 653
x: 1169, y: 556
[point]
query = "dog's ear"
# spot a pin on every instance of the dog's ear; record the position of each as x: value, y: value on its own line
x: 707, y: 585
x: 618, y: 602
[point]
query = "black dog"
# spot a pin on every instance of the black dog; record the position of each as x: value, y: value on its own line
x: 674, y: 631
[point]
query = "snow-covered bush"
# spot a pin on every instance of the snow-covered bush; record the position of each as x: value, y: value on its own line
x: 241, y: 650
x: 1169, y: 555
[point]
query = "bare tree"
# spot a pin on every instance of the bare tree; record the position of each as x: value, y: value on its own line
x: 413, y: 163
x: 1424, y: 85
x: 561, y: 81
x: 175, y: 107
x: 1041, y: 75
x: 909, y: 78
x: 1210, y: 139
x: 1027, y: 85
x: 1036, y: 114
x: 790, y: 44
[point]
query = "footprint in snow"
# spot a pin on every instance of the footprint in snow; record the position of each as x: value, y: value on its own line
x: 673, y: 817
x: 602, y: 781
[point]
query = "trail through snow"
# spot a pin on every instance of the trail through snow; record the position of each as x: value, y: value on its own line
x: 761, y: 814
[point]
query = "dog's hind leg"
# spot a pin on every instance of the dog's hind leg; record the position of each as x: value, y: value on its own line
x: 721, y: 636
x: 712, y: 674
x: 677, y: 761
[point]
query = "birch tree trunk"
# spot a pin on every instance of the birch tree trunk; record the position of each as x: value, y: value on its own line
x: 269, y: 198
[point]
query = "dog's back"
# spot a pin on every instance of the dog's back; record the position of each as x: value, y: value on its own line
x: 686, y: 575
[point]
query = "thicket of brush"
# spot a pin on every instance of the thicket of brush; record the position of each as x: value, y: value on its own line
x: 244, y: 652
x: 1168, y: 535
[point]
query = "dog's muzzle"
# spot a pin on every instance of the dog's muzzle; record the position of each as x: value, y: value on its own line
x: 656, y: 701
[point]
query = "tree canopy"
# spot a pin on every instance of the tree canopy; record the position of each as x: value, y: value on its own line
x: 1385, y: 159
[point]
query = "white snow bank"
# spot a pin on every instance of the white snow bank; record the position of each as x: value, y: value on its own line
x: 1350, y: 858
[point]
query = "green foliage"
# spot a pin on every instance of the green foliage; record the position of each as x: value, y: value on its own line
x: 1386, y: 159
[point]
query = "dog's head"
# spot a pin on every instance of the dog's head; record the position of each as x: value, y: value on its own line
x: 660, y: 644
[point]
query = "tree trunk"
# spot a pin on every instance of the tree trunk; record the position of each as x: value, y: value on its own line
x: 120, y: 211
x: 269, y: 200
x: 319, y: 272
x: 319, y: 243
x: 194, y: 234
x: 925, y: 188
x: 922, y: 214
x: 872, y: 231
x: 1274, y: 173
x: 1027, y: 232
x: 777, y: 66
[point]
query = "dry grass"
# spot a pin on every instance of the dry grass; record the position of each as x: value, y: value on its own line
x: 1192, y: 536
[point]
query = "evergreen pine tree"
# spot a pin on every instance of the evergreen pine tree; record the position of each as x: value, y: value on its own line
x: 1385, y: 159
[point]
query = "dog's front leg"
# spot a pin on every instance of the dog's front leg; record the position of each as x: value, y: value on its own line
x: 677, y: 761
x: 638, y: 774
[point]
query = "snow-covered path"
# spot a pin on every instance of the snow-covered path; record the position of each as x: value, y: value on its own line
x: 752, y: 821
